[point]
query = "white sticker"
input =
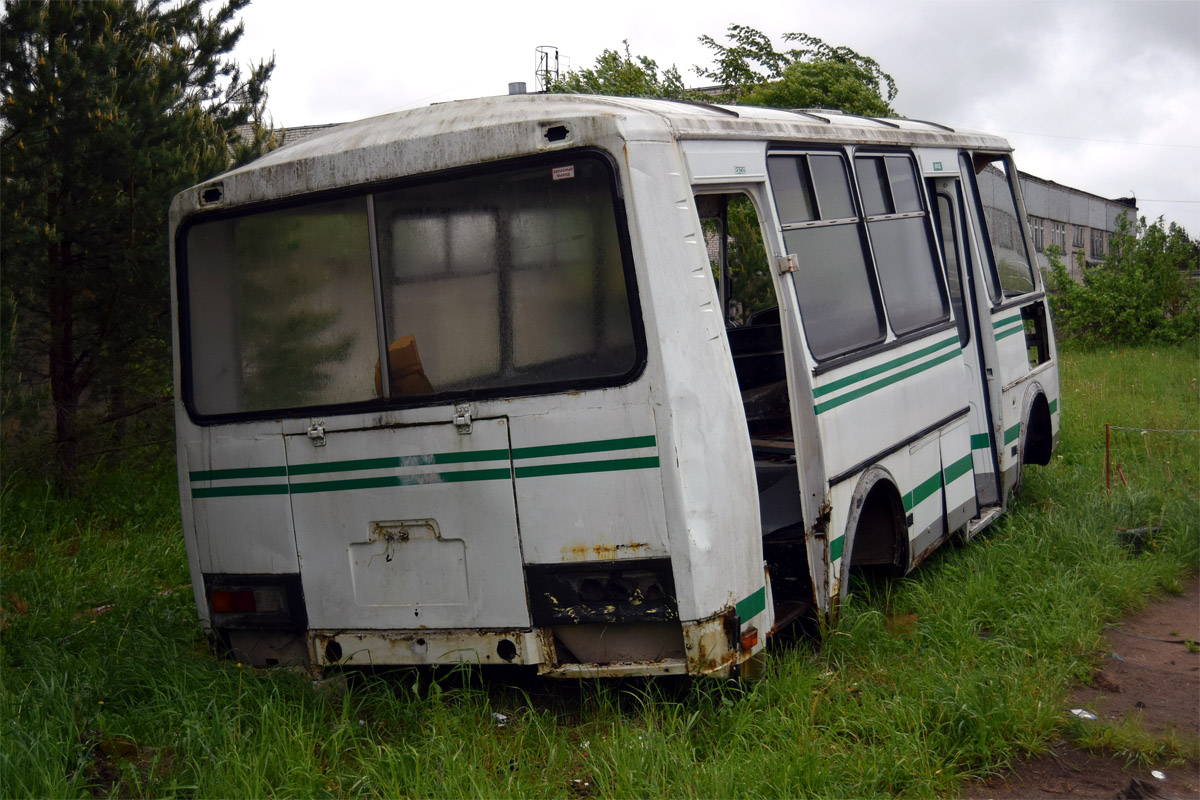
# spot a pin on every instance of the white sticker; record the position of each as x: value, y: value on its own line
x: 562, y: 173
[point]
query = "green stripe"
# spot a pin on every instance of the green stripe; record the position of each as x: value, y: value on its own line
x: 924, y: 490
x: 981, y: 441
x: 1000, y: 323
x: 1054, y: 405
x: 928, y: 487
x: 575, y: 448
x: 876, y: 370
x: 388, y: 481
x: 888, y: 381
x: 1012, y: 434
x: 752, y: 605
x: 391, y: 462
x: 1009, y: 332
x: 241, y: 491
x: 956, y: 470
x: 579, y: 467
x: 249, y: 472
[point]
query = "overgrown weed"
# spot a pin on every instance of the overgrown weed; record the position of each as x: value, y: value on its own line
x: 1129, y: 739
x: 953, y: 672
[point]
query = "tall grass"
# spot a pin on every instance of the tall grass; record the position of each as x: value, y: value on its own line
x: 109, y: 689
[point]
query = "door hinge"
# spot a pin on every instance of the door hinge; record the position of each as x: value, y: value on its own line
x: 788, y: 263
x: 462, y: 419
x: 316, y: 433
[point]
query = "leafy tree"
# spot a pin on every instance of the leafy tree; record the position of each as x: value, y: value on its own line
x: 622, y: 75
x: 812, y: 75
x: 1145, y: 290
x: 750, y: 71
x: 749, y: 271
x: 110, y: 107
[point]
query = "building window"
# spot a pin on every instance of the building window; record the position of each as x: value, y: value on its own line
x: 1035, y: 228
x: 1097, y: 243
x: 1058, y: 235
x: 1077, y: 237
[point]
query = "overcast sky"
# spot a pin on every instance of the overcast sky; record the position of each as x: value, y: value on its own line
x: 1102, y: 95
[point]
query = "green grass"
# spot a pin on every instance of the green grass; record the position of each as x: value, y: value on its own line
x: 108, y: 687
x: 1128, y: 739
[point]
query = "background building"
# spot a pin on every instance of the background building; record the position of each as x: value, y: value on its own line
x: 1073, y: 219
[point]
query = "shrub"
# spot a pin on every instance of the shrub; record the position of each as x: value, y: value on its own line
x: 1145, y: 290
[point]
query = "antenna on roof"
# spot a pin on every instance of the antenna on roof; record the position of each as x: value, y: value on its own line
x: 546, y: 70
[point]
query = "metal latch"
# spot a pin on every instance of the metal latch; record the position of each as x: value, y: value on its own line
x: 316, y: 433
x: 462, y: 419
x: 788, y: 263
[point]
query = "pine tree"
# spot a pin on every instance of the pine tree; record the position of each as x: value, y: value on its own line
x: 109, y: 108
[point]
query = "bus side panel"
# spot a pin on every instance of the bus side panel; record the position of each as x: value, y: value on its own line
x: 236, y: 486
x: 704, y: 447
x: 1013, y: 348
x: 922, y: 496
x: 957, y: 475
x: 588, y: 481
x: 872, y: 404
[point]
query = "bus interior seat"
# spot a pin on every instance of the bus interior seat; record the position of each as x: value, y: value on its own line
x: 404, y: 367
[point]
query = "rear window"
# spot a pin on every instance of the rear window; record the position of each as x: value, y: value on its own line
x: 506, y: 282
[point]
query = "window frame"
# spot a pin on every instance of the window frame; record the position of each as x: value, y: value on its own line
x: 939, y: 266
x: 367, y: 191
x: 995, y: 289
x: 846, y: 156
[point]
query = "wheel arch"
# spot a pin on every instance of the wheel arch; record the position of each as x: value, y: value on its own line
x: 876, y: 530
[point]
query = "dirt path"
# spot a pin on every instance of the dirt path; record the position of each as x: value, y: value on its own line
x: 1148, y: 671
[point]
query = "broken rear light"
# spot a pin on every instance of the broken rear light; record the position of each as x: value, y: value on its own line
x: 245, y: 601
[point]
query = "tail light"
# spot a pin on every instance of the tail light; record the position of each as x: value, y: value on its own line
x: 256, y: 601
x: 246, y: 601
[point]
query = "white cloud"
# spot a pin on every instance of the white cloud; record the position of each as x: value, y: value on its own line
x: 1066, y: 81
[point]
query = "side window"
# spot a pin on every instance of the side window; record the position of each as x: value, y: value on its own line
x: 1013, y: 272
x: 904, y: 252
x: 839, y: 301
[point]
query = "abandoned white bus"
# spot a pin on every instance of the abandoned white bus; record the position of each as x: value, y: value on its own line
x: 600, y: 386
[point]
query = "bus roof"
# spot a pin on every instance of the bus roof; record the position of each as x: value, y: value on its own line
x: 462, y: 132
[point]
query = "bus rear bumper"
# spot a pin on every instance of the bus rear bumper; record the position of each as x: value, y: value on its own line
x: 710, y: 647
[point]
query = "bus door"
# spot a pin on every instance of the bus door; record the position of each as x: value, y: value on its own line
x: 956, y: 254
x: 407, y: 527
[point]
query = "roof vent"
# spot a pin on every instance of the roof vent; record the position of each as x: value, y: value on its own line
x: 517, y: 87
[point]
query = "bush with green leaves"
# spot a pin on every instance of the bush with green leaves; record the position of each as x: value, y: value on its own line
x: 1145, y: 291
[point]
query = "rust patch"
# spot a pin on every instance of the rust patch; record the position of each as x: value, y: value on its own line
x: 821, y: 528
x: 600, y: 552
x: 715, y: 642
